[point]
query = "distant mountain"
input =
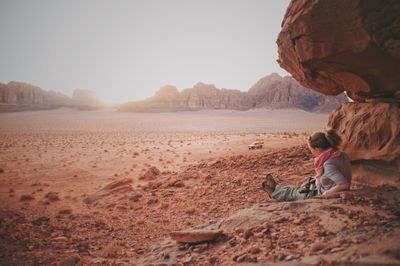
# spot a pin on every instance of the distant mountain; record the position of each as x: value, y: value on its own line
x: 272, y: 91
x: 19, y: 96
x: 201, y: 96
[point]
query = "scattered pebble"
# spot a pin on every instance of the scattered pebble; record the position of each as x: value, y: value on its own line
x: 26, y: 198
x: 70, y: 261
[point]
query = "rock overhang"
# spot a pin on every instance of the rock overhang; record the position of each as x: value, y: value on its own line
x: 336, y: 46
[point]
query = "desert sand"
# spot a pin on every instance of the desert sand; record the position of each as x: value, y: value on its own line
x: 106, y: 187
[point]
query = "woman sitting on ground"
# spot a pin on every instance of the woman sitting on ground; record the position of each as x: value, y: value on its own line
x: 333, y: 171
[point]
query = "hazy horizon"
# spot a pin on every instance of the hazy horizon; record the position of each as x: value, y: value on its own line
x: 126, y: 50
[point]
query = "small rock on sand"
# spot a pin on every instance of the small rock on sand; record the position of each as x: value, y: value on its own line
x: 176, y: 183
x: 60, y: 238
x: 40, y: 220
x: 317, y: 246
x: 135, y: 197
x: 152, y: 201
x: 70, y: 261
x: 65, y: 211
x: 151, y: 174
x: 26, y: 197
x: 52, y: 196
x: 254, y: 250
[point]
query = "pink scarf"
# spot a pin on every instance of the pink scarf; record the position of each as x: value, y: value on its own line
x: 320, y: 160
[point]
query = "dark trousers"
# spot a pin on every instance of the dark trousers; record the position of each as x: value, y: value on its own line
x: 290, y: 193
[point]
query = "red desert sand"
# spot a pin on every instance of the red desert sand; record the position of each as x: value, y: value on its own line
x: 105, y: 187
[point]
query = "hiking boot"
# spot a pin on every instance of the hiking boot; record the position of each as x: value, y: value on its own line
x: 269, y: 184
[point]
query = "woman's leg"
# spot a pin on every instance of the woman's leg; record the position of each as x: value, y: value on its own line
x: 289, y: 193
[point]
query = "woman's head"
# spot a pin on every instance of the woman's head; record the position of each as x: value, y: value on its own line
x: 324, y: 140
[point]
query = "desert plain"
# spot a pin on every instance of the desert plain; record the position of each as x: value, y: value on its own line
x: 107, y: 188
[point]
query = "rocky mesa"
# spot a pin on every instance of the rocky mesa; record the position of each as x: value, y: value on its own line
x: 272, y: 91
x: 20, y: 96
x: 16, y: 96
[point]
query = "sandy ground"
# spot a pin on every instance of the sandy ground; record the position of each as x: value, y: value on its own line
x: 102, y: 187
x: 75, y: 153
x: 63, y: 146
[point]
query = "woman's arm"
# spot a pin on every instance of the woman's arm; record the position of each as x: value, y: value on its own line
x: 333, y: 173
x: 304, y: 181
x: 336, y: 189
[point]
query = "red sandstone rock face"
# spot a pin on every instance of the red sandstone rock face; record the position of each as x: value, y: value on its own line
x: 16, y: 96
x: 336, y: 46
x: 272, y: 91
x: 371, y: 130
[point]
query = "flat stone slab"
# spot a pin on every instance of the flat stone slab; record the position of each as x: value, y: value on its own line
x: 195, y: 236
x: 116, y: 187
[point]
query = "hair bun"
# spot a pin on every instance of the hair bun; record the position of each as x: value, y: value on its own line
x: 332, y: 137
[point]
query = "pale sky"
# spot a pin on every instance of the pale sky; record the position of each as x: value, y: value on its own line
x: 126, y: 50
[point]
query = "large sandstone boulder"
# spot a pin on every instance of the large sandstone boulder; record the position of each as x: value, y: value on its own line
x: 336, y: 46
x: 371, y: 130
x: 352, y: 46
x: 371, y: 139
